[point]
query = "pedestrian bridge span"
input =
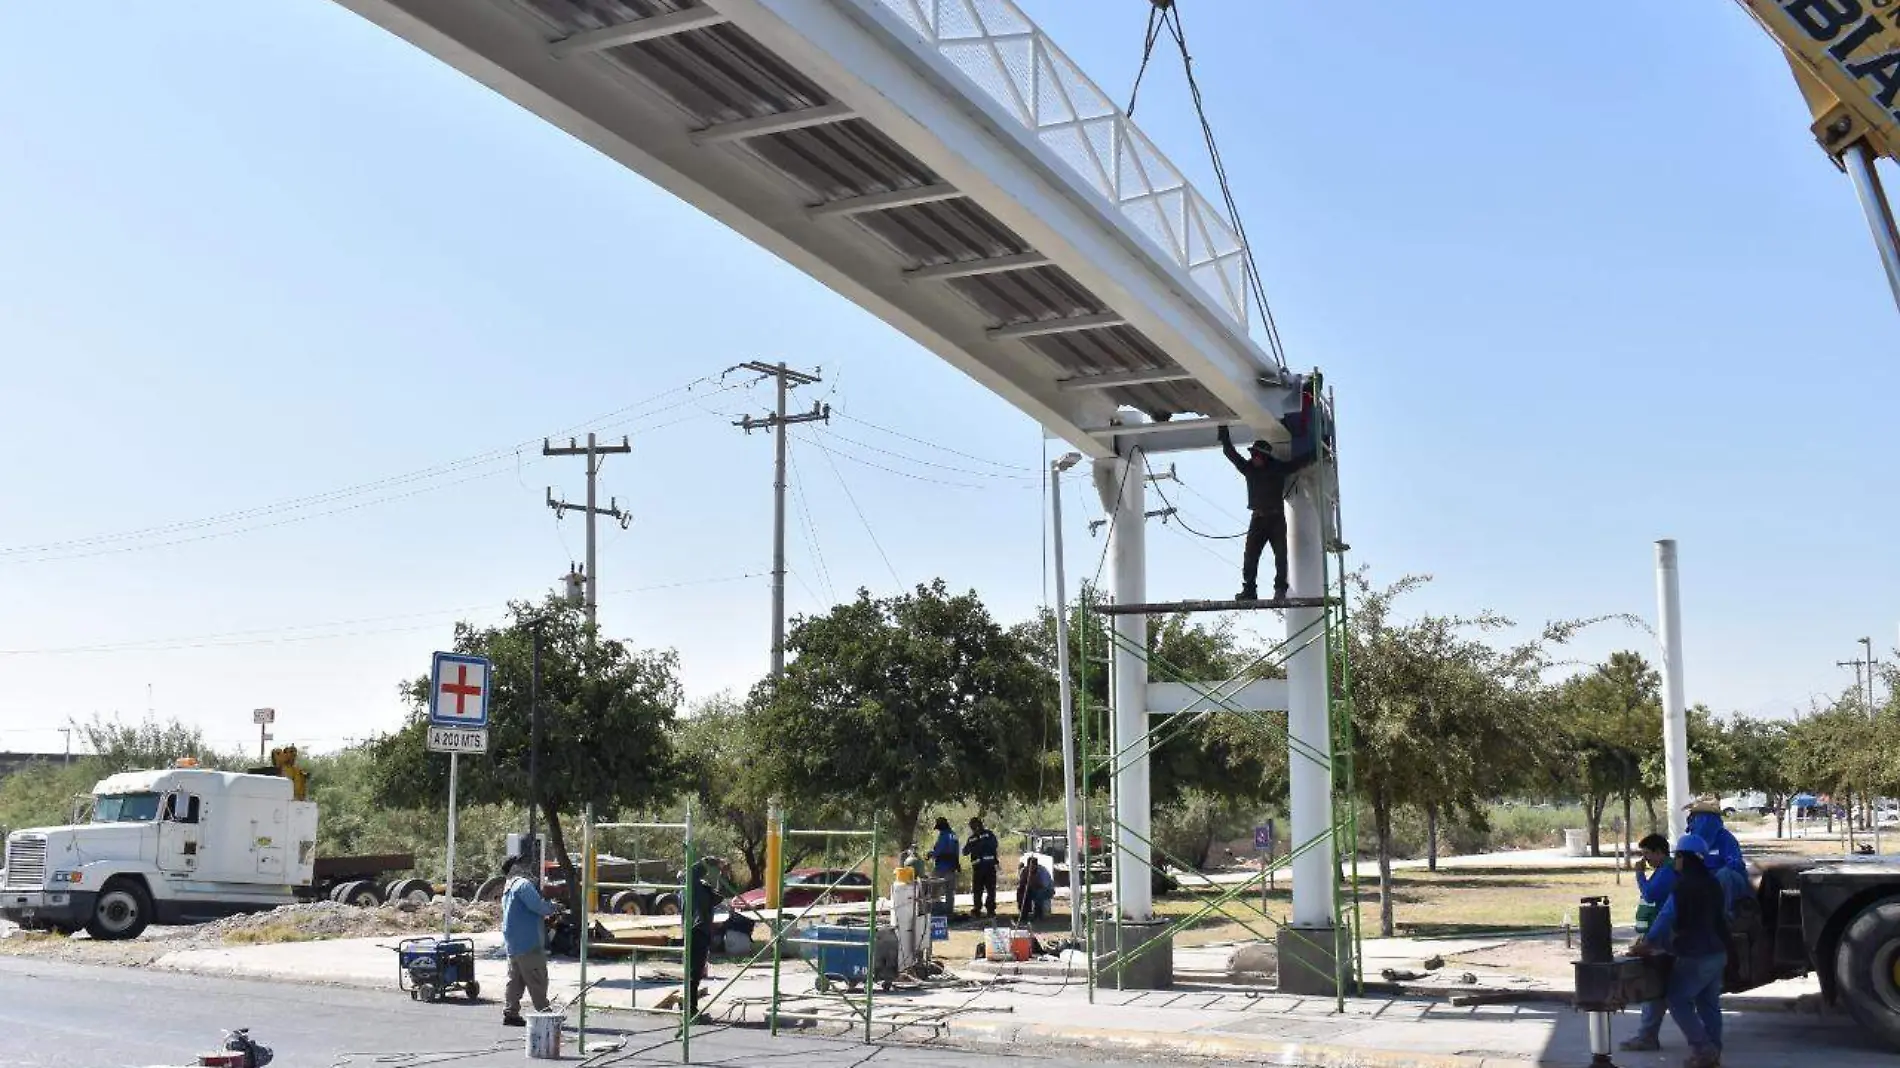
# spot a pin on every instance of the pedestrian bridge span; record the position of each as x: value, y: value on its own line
x: 940, y: 162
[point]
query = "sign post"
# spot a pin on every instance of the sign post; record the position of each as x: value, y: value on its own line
x: 263, y: 717
x: 1263, y: 838
x: 458, y: 723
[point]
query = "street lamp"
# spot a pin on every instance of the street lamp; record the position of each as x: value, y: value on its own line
x: 1078, y: 841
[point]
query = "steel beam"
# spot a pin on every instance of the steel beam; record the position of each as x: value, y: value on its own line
x: 1124, y: 378
x: 626, y: 33
x: 938, y: 272
x: 895, y: 198
x: 741, y: 129
x: 1040, y: 328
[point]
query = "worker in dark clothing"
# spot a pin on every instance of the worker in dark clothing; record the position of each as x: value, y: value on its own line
x: 709, y: 884
x: 1694, y: 924
x: 1266, y: 499
x: 981, y: 849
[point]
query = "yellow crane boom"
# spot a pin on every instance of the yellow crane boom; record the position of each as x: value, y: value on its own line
x: 1846, y: 60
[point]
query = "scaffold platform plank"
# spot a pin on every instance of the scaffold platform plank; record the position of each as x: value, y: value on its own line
x: 1162, y: 608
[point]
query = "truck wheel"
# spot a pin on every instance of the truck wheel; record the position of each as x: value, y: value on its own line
x: 122, y: 911
x: 1867, y: 970
x: 336, y: 892
x: 412, y: 890
x: 360, y: 893
x: 668, y: 905
x: 626, y: 903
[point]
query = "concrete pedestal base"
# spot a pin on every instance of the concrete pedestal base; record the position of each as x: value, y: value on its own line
x: 1309, y: 960
x: 1149, y: 964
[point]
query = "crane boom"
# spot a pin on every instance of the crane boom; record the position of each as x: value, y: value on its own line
x: 1846, y: 60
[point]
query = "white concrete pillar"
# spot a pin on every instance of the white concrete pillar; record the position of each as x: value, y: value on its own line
x: 1675, y: 713
x: 1123, y: 485
x: 1309, y: 726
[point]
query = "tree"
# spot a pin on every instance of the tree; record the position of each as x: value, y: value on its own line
x: 116, y: 745
x: 606, y: 711
x: 1212, y: 767
x: 1615, y: 723
x: 1758, y: 761
x: 890, y: 704
x: 1442, y: 719
x: 720, y: 742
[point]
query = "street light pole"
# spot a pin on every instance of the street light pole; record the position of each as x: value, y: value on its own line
x: 1078, y: 844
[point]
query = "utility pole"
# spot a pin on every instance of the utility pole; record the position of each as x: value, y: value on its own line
x: 1860, y: 677
x: 595, y: 453
x: 67, y: 733
x: 788, y: 380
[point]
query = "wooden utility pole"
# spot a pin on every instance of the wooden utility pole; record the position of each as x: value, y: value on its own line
x: 788, y: 380
x: 595, y: 453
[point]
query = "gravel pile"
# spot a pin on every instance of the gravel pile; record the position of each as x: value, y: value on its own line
x: 327, y: 919
x: 289, y: 923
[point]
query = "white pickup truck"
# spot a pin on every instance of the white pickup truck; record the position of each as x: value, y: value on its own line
x: 182, y: 845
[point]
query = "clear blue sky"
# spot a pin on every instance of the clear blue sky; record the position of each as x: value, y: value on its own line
x: 1579, y: 287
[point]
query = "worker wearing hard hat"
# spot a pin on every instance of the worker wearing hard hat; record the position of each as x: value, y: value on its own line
x: 1694, y: 924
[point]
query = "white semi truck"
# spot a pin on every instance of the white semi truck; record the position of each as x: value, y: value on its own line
x: 182, y: 845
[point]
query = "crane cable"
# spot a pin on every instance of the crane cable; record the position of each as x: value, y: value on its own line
x: 1166, y: 15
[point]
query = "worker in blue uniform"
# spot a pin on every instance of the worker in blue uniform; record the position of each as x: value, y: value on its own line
x: 1693, y: 923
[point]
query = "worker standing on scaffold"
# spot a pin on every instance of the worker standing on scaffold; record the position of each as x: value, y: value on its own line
x: 1266, y: 499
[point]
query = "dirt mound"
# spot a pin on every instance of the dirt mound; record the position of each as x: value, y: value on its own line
x: 327, y: 919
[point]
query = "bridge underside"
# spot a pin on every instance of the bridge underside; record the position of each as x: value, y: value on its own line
x: 843, y: 136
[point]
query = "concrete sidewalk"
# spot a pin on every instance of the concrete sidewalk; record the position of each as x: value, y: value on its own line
x: 1223, y: 1023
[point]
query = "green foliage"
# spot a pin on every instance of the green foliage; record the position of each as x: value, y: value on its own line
x: 1613, y: 716
x: 892, y: 704
x: 606, y: 712
x: 720, y: 742
x: 1443, y: 720
x: 1239, y: 756
x: 44, y: 795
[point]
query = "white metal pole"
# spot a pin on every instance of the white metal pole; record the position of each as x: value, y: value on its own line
x: 1067, y: 695
x: 1675, y: 712
x: 448, y: 883
x: 1123, y: 485
x: 1309, y: 727
x: 1859, y: 161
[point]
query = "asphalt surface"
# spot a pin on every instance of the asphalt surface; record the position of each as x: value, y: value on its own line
x: 74, y: 1016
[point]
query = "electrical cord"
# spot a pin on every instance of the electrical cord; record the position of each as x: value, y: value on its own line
x: 1184, y: 523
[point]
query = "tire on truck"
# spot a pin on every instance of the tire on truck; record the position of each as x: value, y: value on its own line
x: 122, y: 911
x: 1867, y: 969
x: 359, y: 892
x: 415, y: 890
x: 626, y: 903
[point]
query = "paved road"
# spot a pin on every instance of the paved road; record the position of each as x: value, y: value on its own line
x: 70, y: 1016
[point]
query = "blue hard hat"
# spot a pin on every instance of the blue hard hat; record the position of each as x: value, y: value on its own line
x: 1692, y: 843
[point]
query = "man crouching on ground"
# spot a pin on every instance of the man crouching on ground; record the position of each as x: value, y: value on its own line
x: 524, y: 915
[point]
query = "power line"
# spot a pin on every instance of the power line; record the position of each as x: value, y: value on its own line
x: 811, y: 528
x: 912, y: 475
x: 1184, y: 523
x: 852, y: 497
x: 103, y: 544
x: 288, y: 634
x: 930, y: 463
x: 930, y: 444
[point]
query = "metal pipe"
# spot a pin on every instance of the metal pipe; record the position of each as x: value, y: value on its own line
x: 1675, y: 713
x: 1309, y: 726
x: 1070, y: 827
x: 1123, y: 484
x: 1859, y: 161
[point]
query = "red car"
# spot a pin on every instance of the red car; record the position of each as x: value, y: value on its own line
x: 807, y: 886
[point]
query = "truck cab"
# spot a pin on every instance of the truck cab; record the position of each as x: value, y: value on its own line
x: 180, y: 845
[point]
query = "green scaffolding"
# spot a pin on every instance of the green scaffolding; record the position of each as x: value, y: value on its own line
x: 1242, y: 902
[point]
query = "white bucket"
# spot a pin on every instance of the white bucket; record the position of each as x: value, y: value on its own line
x: 544, y: 1035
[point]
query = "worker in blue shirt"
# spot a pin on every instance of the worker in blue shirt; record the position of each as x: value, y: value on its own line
x: 1655, y: 878
x: 524, y: 915
x: 947, y: 860
x: 1694, y: 923
x: 1705, y: 822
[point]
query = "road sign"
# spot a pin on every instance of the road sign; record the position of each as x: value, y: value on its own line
x: 261, y: 716
x: 458, y: 689
x: 1263, y: 836
x: 457, y: 739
